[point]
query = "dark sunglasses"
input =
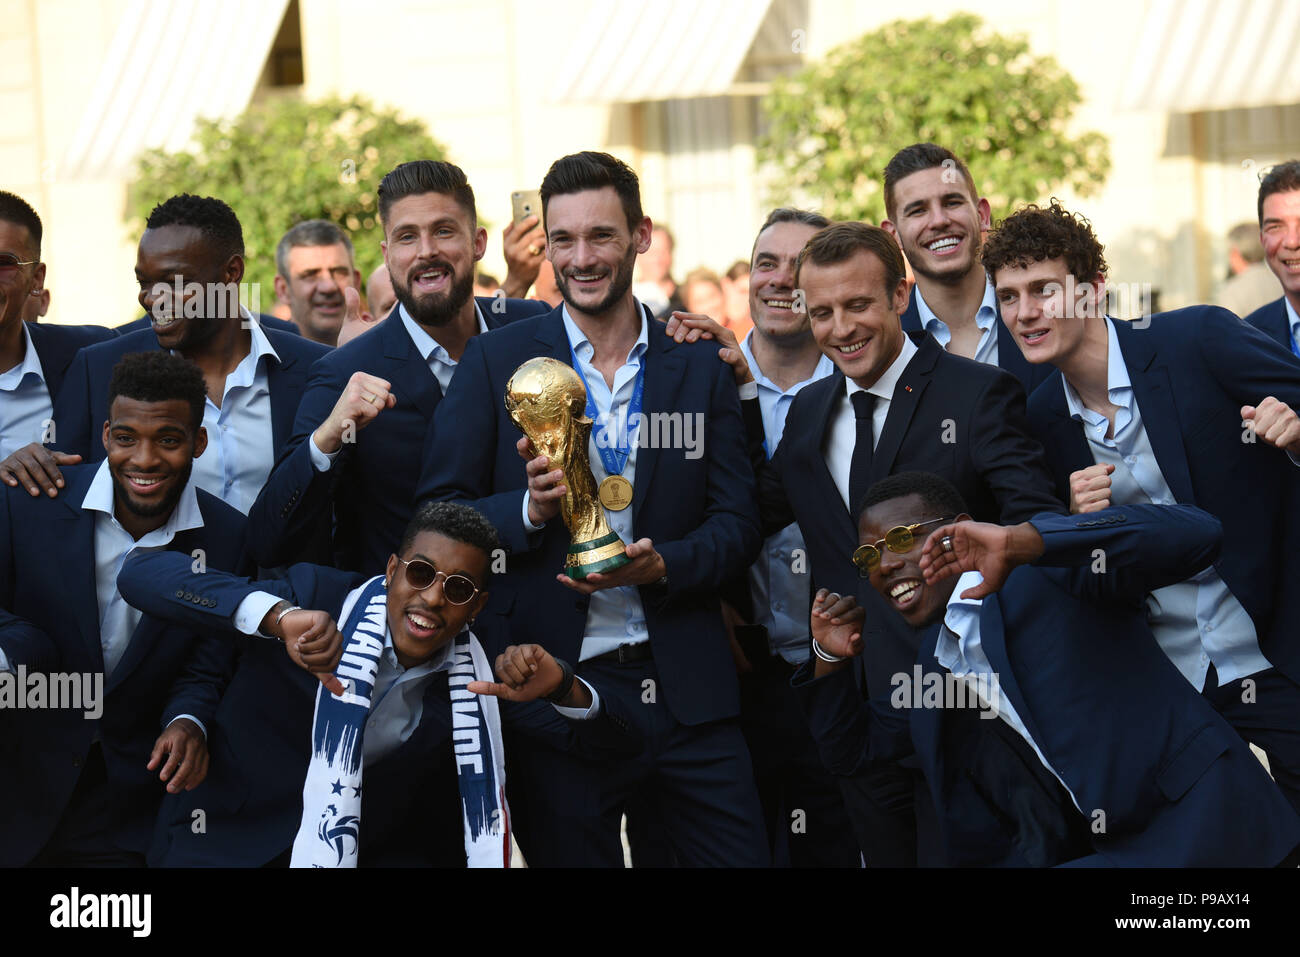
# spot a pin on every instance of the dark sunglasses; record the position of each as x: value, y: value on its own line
x: 9, y: 263
x: 421, y: 575
x: 898, y: 539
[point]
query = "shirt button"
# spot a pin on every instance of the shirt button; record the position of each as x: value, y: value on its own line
x: 778, y: 606
x: 1210, y: 627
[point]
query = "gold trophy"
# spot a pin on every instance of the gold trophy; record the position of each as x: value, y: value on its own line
x: 548, y: 402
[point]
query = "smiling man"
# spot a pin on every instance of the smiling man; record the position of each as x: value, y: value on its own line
x: 938, y: 217
x: 189, y: 265
x: 1279, y: 231
x: 1191, y: 406
x: 1052, y: 644
x: 895, y: 402
x: 34, y: 358
x: 83, y: 792
x: 652, y: 630
x: 427, y: 759
x: 352, y: 463
x: 313, y: 265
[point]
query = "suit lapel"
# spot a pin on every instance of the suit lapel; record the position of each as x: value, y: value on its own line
x: 664, y: 372
x: 284, y: 399
x: 993, y: 639
x: 902, y: 405
x: 75, y: 535
x: 411, y: 376
x: 1155, y: 399
x: 817, y: 435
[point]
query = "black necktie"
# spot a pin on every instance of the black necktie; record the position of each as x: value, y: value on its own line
x: 864, y: 404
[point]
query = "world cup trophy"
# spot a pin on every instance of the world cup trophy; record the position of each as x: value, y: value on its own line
x: 548, y: 401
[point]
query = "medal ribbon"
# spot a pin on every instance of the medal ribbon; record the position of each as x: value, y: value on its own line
x: 614, y: 458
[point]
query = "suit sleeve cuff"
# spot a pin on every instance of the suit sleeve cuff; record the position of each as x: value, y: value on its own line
x: 320, y: 461
x: 4, y: 662
x: 248, y: 616
x: 192, y: 718
x: 582, y: 714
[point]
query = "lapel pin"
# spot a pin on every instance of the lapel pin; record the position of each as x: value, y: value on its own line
x: 907, y: 388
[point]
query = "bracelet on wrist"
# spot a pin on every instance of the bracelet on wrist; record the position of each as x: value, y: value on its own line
x: 280, y: 617
x: 567, y: 677
x: 826, y: 656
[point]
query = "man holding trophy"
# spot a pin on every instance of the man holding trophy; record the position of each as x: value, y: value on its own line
x: 623, y: 508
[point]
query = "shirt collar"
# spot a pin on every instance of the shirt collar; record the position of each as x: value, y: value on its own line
x: 985, y: 316
x: 442, y: 659
x: 578, y: 339
x: 425, y: 344
x: 883, y: 388
x: 31, y: 365
x: 824, y: 368
x: 1119, y: 387
x: 259, y: 346
x: 1293, y: 320
x: 185, y: 516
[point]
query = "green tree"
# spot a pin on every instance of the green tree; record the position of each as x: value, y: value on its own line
x: 836, y: 123
x: 283, y: 161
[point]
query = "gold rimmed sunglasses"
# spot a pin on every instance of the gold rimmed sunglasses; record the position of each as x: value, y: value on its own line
x: 898, y: 539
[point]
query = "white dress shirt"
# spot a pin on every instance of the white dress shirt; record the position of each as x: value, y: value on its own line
x: 1197, y: 621
x: 397, y: 699
x: 781, y: 599
x: 986, y: 317
x: 844, y: 425
x: 25, y: 406
x: 615, y: 615
x: 959, y: 649
x: 241, y: 449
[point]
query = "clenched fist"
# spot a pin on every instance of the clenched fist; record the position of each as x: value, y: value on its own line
x: 363, y: 398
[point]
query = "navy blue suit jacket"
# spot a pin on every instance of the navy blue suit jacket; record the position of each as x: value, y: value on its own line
x: 1192, y: 371
x: 57, y: 345
x: 82, y: 409
x: 993, y: 461
x: 49, y: 621
x: 1120, y: 725
x: 1273, y: 321
x: 267, y: 321
x: 1010, y: 358
x: 261, y: 736
x: 369, y: 494
x: 700, y: 512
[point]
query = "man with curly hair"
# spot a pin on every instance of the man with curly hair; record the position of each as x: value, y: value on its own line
x: 1191, y: 407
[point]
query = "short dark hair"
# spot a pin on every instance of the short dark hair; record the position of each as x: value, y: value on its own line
x: 456, y: 521
x: 310, y: 232
x: 787, y: 214
x: 1282, y: 178
x: 14, y: 209
x: 579, y: 172
x: 918, y: 157
x: 839, y: 242
x: 159, y: 376
x: 1034, y: 234
x: 426, y: 176
x: 935, y: 491
x: 209, y: 215
x: 737, y: 269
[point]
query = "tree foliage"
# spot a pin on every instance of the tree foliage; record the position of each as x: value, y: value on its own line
x: 836, y: 123
x: 283, y: 161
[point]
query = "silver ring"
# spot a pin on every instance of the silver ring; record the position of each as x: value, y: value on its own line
x: 534, y: 249
x: 946, y: 542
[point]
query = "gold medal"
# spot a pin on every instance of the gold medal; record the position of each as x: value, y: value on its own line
x: 615, y: 493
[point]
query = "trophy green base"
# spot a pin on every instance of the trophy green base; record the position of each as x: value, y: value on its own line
x: 603, y: 554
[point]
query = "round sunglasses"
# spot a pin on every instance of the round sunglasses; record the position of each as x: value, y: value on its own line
x: 898, y: 539
x: 421, y: 575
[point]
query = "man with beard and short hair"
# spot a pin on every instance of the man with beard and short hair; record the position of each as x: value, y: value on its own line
x: 350, y: 465
x: 193, y: 246
x: 313, y: 265
x: 650, y: 631
x: 82, y: 788
x: 938, y: 217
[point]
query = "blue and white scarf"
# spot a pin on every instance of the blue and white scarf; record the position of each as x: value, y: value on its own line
x: 330, y: 832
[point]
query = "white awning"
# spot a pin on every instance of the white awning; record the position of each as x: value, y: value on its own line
x: 629, y: 51
x: 1214, y: 55
x: 169, y: 63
